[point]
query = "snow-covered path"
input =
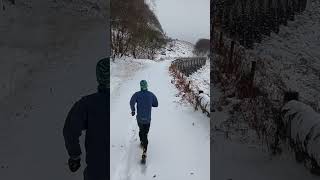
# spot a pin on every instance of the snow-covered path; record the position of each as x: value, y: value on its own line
x: 179, y: 142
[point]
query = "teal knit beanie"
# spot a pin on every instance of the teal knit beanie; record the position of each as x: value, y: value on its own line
x: 143, y: 85
x: 103, y: 72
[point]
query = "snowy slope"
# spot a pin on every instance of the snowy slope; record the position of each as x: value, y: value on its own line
x: 152, y: 5
x: 200, y: 80
x: 177, y: 48
x: 122, y: 70
x: 294, y: 55
x: 178, y: 138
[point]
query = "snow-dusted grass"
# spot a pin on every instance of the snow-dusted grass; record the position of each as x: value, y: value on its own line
x: 200, y: 80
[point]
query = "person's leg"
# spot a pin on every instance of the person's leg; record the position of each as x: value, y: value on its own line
x: 85, y: 174
x: 145, y: 132
x: 140, y: 133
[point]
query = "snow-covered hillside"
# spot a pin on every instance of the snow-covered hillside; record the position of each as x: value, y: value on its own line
x: 177, y: 48
x: 291, y: 62
x: 152, y: 5
x: 294, y: 55
x: 121, y: 70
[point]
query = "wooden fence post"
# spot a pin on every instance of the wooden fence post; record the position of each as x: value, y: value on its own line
x: 220, y: 41
x: 231, y: 55
x: 290, y: 95
x: 253, y: 69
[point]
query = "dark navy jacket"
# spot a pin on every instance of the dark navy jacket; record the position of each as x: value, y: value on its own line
x: 90, y: 113
x: 145, y: 101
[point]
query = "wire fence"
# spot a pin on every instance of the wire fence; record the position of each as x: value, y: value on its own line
x: 180, y: 69
x: 189, y: 65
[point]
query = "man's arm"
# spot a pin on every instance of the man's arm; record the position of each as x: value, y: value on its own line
x: 76, y: 121
x: 155, y: 101
x: 133, y: 101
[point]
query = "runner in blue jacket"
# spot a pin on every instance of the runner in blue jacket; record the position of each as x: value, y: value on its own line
x: 145, y: 100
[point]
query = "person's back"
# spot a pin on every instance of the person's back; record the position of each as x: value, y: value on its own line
x: 91, y: 113
x: 97, y: 141
x: 145, y: 101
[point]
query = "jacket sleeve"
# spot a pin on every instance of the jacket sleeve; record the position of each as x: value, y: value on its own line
x: 75, y: 123
x: 133, y: 101
x: 155, y: 101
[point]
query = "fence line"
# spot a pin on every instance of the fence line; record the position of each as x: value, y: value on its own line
x: 306, y: 147
x: 189, y: 65
x: 183, y: 67
x: 250, y: 20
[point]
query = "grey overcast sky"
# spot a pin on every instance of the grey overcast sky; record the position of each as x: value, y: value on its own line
x: 186, y: 20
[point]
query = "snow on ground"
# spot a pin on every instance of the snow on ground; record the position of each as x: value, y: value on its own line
x: 178, y: 139
x: 235, y: 160
x: 304, y: 127
x: 294, y: 54
x: 152, y: 5
x: 236, y: 157
x: 121, y: 69
x: 44, y: 31
x: 95, y: 8
x: 177, y: 48
x: 200, y: 80
x: 32, y: 146
x: 61, y: 51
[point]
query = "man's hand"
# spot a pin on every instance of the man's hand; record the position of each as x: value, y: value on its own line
x: 74, y: 164
x: 133, y: 113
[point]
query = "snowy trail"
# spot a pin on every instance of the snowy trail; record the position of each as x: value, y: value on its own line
x: 31, y: 141
x: 177, y: 148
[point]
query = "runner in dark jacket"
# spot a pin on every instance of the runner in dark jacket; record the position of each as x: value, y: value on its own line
x: 91, y: 113
x: 145, y: 101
